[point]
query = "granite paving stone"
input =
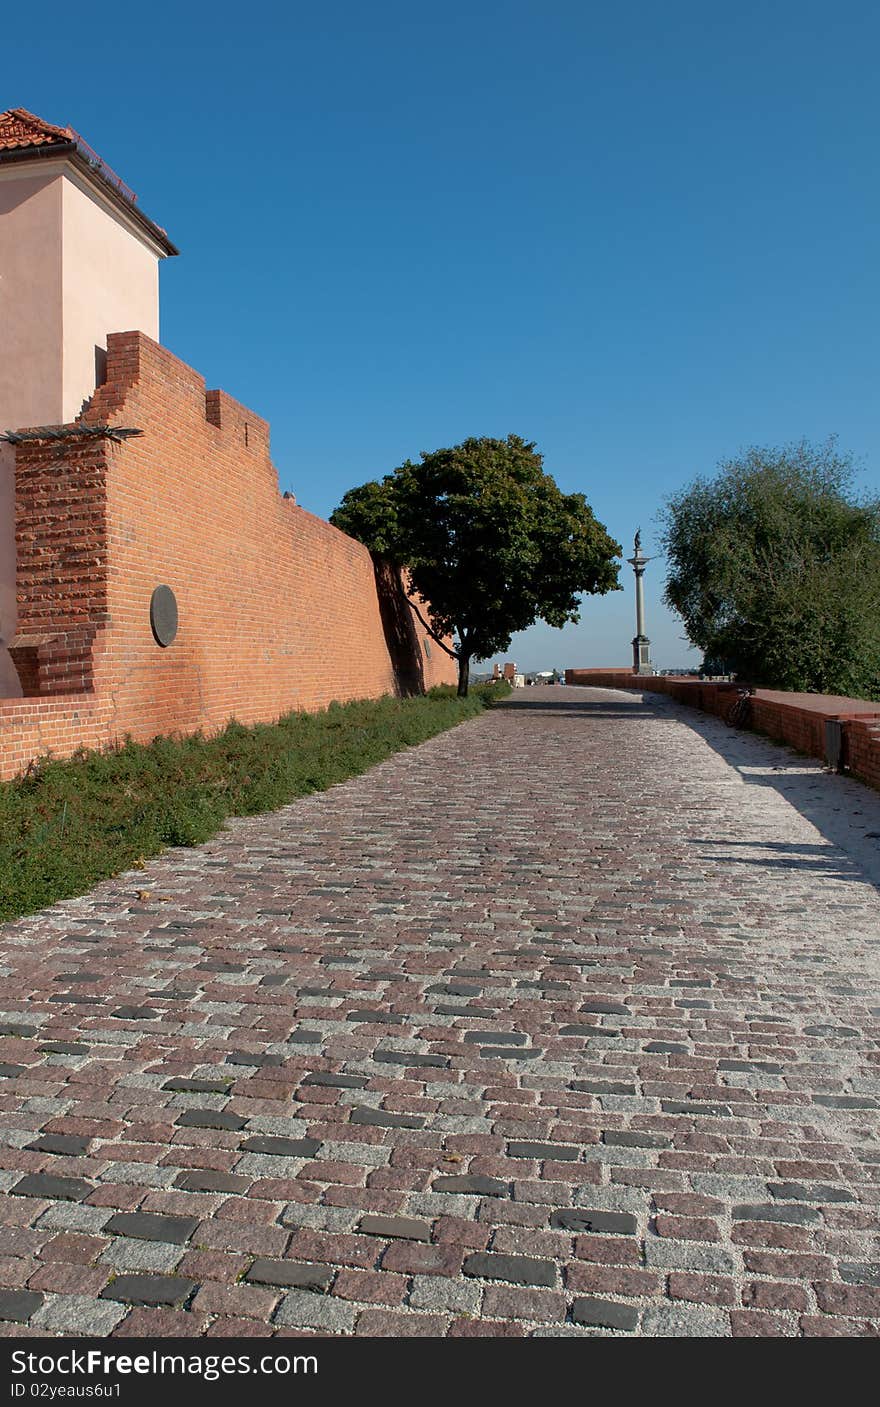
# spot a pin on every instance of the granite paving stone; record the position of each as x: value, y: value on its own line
x: 151, y: 1226
x: 519, y: 1270
x: 394, y: 1227
x: 60, y: 1143
x: 479, y: 1185
x: 210, y: 1119
x: 17, y: 1306
x: 207, y: 1180
x: 61, y: 1189
x: 281, y: 1147
x: 290, y: 1274
x: 302, y: 1309
x: 581, y: 1219
x: 125, y: 1254
x: 77, y: 1314
x: 604, y: 1314
x: 149, y: 1289
x: 562, y: 1024
x: 381, y: 1118
x: 193, y: 1086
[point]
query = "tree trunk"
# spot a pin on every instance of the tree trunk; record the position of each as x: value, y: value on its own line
x: 464, y: 665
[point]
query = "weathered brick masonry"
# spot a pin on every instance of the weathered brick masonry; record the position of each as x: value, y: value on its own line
x: 796, y: 719
x: 278, y: 609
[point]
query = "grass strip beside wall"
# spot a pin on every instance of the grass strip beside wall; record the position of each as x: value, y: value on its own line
x: 68, y: 824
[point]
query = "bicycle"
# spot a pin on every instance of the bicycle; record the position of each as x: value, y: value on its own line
x: 739, y: 715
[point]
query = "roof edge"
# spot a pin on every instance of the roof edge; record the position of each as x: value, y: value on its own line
x: 71, y: 150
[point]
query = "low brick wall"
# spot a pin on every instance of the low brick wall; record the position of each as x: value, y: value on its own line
x: 31, y: 728
x: 795, y: 719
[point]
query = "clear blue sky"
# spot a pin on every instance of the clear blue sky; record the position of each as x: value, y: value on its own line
x: 643, y: 235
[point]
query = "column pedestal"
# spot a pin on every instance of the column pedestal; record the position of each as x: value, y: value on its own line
x: 642, y: 655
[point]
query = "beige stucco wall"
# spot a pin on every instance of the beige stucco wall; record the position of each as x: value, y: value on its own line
x: 30, y: 297
x: 110, y: 284
x: 30, y: 350
x: 72, y: 269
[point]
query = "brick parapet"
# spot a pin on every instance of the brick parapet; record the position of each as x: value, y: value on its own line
x: 795, y: 719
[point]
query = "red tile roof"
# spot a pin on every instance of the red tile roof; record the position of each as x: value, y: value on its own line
x: 22, y: 133
x: 19, y: 128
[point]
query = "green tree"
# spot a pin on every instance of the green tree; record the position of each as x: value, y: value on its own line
x: 489, y: 541
x: 774, y: 567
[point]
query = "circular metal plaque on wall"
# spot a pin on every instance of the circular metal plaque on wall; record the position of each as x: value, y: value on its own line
x: 163, y: 615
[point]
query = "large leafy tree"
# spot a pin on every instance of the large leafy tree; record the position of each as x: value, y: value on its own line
x: 774, y: 567
x: 490, y: 543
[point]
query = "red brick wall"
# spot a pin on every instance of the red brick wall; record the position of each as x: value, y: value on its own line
x: 61, y: 535
x: 795, y: 719
x: 863, y: 750
x: 278, y: 610
x: 29, y: 728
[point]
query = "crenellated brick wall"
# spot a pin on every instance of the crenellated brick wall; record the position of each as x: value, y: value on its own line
x: 278, y: 609
x: 795, y: 719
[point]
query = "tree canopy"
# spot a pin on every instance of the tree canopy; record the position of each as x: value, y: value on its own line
x: 490, y: 543
x: 774, y: 567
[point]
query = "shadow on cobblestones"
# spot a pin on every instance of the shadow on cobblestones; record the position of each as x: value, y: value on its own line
x: 579, y: 706
x: 844, y: 811
x: 820, y: 859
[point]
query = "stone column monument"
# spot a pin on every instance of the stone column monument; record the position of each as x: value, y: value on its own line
x: 641, y: 644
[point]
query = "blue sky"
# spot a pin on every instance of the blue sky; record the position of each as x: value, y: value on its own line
x: 642, y: 235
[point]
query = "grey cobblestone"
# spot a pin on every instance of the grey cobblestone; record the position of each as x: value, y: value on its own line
x: 123, y: 1254
x: 78, y: 1314
x: 685, y: 1321
x: 687, y: 1255
x: 302, y: 1309
x: 73, y: 1216
x: 138, y: 1174
x: 440, y: 1293
x: 255, y: 1165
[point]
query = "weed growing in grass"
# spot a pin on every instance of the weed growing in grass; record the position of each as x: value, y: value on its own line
x: 68, y: 824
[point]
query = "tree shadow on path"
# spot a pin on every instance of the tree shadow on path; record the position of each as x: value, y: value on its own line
x: 843, y: 810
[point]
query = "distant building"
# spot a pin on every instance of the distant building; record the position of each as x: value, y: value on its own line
x: 508, y: 672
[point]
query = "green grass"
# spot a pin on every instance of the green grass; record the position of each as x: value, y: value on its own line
x: 68, y: 824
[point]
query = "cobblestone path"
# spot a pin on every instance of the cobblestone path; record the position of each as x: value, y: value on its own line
x: 560, y: 1024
